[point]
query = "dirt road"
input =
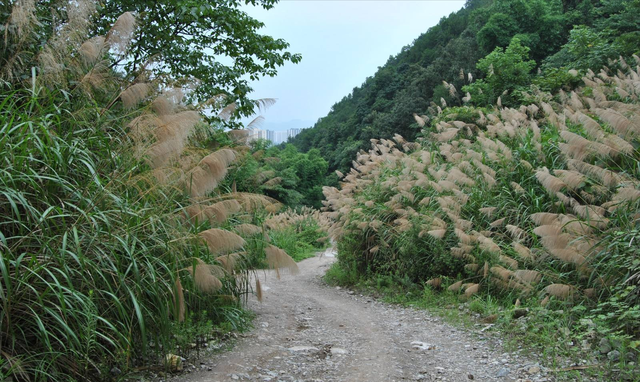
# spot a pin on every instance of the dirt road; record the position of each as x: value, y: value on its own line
x: 308, y: 331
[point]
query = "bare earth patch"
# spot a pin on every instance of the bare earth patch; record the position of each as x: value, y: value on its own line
x: 308, y: 331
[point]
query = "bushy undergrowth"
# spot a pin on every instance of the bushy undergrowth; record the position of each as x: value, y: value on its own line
x: 116, y: 241
x: 294, y: 178
x: 88, y: 263
x: 539, y: 204
x: 301, y: 234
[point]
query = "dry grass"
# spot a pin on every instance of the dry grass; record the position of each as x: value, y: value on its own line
x: 219, y: 240
x: 121, y: 33
x: 432, y: 186
x: 134, y: 94
x: 210, y: 170
x: 561, y: 291
x: 216, y: 213
x: 278, y: 259
x: 258, y: 290
x: 247, y: 229
x: 205, y: 276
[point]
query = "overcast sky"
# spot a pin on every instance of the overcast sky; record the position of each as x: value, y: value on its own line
x: 342, y: 43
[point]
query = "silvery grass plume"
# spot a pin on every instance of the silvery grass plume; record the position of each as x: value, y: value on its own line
x: 464, y: 194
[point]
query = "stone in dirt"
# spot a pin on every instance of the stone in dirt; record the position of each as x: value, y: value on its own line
x: 604, y: 346
x: 520, y: 313
x: 502, y: 373
x: 422, y: 345
x: 613, y: 356
x: 302, y: 348
x: 338, y: 351
x: 379, y: 339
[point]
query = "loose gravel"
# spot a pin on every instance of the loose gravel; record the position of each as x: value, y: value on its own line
x: 308, y: 331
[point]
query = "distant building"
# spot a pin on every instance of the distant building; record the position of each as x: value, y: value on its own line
x: 293, y: 132
x: 255, y: 134
x: 276, y: 137
x: 281, y: 136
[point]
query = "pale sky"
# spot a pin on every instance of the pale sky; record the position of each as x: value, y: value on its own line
x: 342, y: 42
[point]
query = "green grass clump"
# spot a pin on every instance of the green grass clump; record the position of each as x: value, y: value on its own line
x: 298, y: 233
x: 87, y: 263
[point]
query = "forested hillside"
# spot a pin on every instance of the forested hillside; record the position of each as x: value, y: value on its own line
x: 432, y: 71
x: 132, y: 221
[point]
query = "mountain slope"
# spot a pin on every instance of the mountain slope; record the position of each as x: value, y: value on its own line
x: 412, y: 81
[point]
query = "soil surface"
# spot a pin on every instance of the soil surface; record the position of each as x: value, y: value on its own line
x: 306, y: 330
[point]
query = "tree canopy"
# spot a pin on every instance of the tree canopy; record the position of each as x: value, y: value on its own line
x: 210, y: 48
x: 283, y: 173
x: 505, y: 70
x: 212, y: 43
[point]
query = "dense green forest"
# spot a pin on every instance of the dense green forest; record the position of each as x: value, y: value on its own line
x: 287, y: 175
x: 444, y: 64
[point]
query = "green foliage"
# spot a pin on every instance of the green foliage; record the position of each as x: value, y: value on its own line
x: 299, y: 240
x: 497, y: 31
x: 555, y: 79
x: 474, y: 208
x: 612, y: 33
x: 87, y: 263
x: 99, y: 259
x: 291, y: 177
x: 586, y: 48
x: 539, y: 24
x: 507, y: 68
x: 619, y: 259
x: 384, y: 104
x: 187, y: 39
x: 465, y: 114
x: 298, y: 233
x: 506, y: 71
x: 411, y: 82
x: 341, y: 274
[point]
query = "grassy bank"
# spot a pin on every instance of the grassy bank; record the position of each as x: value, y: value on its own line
x: 118, y: 248
x: 533, y: 208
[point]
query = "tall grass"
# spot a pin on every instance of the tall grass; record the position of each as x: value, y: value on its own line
x: 299, y: 233
x: 112, y: 232
x: 87, y: 263
x: 539, y: 202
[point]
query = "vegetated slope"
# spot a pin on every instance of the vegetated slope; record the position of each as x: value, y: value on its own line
x: 117, y: 245
x: 412, y: 81
x: 540, y: 202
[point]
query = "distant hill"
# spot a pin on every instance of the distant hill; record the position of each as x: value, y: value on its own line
x: 412, y: 81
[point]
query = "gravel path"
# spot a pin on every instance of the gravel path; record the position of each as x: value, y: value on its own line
x: 308, y: 331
